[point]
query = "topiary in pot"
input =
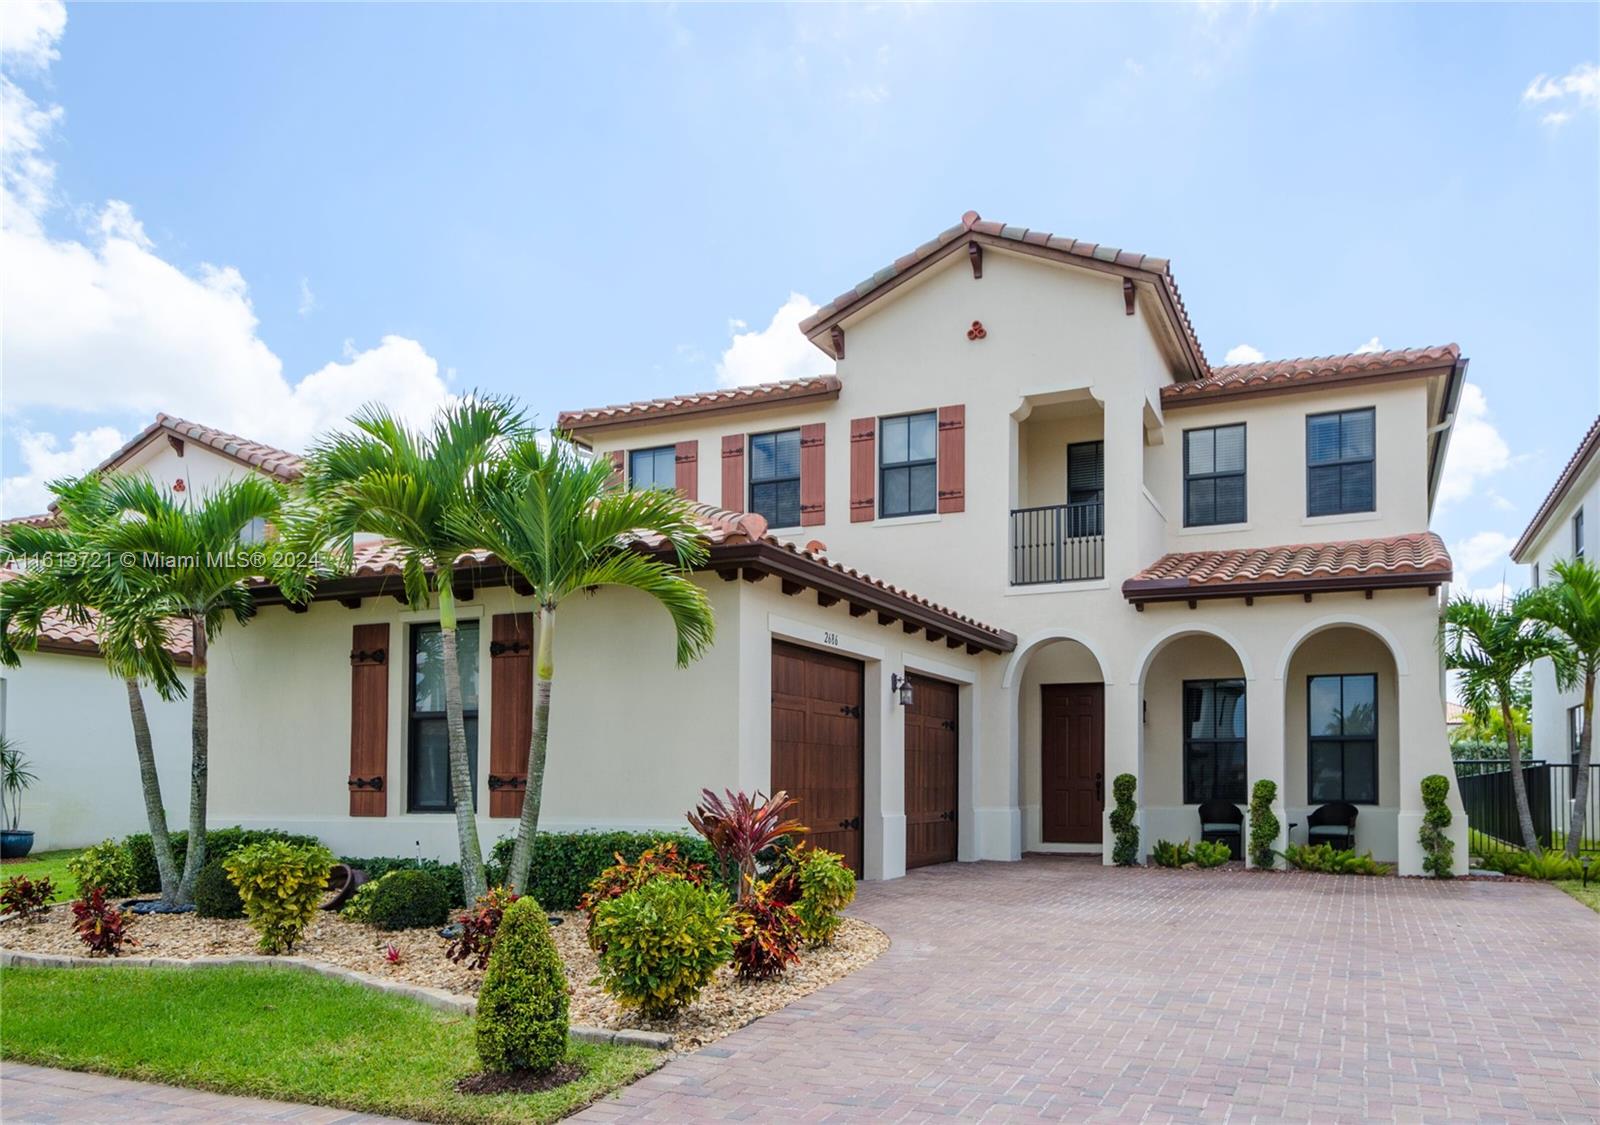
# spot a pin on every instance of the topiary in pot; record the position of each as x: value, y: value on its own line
x: 522, y: 1004
x: 1437, y: 847
x: 1124, y: 832
x: 408, y: 900
x: 215, y: 896
x: 1264, y: 825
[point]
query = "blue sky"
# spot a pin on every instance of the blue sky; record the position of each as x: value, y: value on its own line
x: 259, y: 216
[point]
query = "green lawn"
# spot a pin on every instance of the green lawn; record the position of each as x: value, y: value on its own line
x: 276, y: 1034
x: 1589, y: 896
x: 40, y: 864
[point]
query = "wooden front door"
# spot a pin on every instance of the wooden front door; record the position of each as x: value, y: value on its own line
x: 931, y: 772
x: 817, y: 744
x: 1072, y: 761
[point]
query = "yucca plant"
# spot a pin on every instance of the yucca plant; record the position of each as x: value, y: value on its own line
x: 740, y: 826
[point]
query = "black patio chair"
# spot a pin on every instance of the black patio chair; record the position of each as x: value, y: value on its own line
x: 1333, y: 823
x: 1222, y: 821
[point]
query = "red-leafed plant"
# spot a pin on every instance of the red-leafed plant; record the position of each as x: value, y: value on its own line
x: 769, y: 935
x: 663, y: 861
x: 391, y: 953
x: 25, y: 898
x: 100, y: 926
x: 478, y: 927
x: 743, y: 826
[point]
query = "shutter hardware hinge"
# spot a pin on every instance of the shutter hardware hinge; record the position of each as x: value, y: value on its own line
x: 376, y: 656
x: 500, y: 648
x: 853, y: 712
x: 497, y: 782
x: 373, y: 783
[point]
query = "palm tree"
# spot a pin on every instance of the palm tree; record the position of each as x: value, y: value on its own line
x: 1490, y: 645
x: 1571, y: 607
x: 390, y: 480
x: 553, y: 515
x: 190, y: 559
x: 61, y: 576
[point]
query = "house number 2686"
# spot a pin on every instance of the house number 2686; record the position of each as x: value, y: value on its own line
x: 830, y: 639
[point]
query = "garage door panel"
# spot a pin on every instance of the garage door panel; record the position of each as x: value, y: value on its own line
x: 817, y: 744
x: 932, y: 785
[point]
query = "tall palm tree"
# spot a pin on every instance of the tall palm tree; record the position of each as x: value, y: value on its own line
x: 390, y: 480
x: 190, y: 558
x: 1490, y: 644
x: 63, y: 575
x: 1571, y: 607
x: 554, y: 516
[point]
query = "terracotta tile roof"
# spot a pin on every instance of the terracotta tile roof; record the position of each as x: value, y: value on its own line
x: 43, y: 519
x: 60, y: 633
x: 1357, y: 564
x: 269, y: 459
x: 1299, y: 374
x: 972, y: 224
x: 700, y: 402
x: 1558, y: 491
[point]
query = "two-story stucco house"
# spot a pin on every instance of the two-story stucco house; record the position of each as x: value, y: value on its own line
x: 1559, y: 531
x: 1025, y: 539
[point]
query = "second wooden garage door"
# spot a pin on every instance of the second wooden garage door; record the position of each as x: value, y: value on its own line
x: 817, y: 746
x: 931, y: 772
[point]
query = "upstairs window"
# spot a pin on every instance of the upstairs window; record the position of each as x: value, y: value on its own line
x: 1575, y: 731
x: 1577, y: 534
x: 1535, y: 576
x: 1213, y: 476
x: 653, y: 468
x: 428, y: 788
x: 1086, y: 488
x: 907, y: 465
x: 1213, y: 741
x: 1341, y: 456
x: 775, y: 477
x: 1342, y: 733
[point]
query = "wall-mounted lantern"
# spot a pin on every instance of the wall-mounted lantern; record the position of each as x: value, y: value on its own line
x: 900, y: 686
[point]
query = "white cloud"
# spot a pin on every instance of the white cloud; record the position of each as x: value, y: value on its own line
x: 1557, y: 119
x: 308, y: 299
x: 1243, y: 353
x: 44, y: 460
x: 30, y: 31
x: 1577, y: 89
x: 778, y: 351
x: 1479, y: 551
x: 1477, y: 451
x: 102, y: 318
x: 1372, y: 345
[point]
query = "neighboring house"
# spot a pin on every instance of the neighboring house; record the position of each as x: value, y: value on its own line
x: 70, y: 716
x: 1202, y: 576
x: 1560, y: 531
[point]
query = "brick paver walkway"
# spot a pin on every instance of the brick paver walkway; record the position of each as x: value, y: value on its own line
x: 1056, y: 988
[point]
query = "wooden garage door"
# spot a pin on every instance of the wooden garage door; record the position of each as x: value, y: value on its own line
x: 816, y: 744
x: 931, y: 771
x: 1073, y: 761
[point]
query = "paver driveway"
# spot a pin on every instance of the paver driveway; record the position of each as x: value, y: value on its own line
x: 1057, y: 988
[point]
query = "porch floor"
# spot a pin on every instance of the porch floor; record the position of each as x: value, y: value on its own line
x: 1056, y: 987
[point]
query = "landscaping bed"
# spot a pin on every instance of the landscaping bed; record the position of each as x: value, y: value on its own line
x: 726, y: 1005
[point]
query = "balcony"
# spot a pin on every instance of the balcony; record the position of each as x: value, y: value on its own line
x: 1057, y: 543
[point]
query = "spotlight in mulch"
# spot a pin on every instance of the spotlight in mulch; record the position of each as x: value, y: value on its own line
x: 521, y: 1081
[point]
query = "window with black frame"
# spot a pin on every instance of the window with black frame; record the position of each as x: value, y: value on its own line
x: 653, y: 468
x: 1574, y: 731
x: 428, y: 767
x: 1341, y: 460
x: 1213, y: 741
x: 1086, y: 488
x: 775, y: 477
x: 908, y: 477
x: 1213, y: 476
x: 1342, y: 738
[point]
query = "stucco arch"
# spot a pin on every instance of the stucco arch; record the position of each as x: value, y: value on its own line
x: 1397, y: 651
x: 1036, y: 641
x: 1142, y: 665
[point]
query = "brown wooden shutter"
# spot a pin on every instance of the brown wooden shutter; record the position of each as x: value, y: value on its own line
x: 511, y: 710
x: 952, y: 458
x: 619, y: 473
x: 863, y: 469
x: 369, y: 720
x: 733, y: 472
x: 813, y: 474
x: 688, y: 470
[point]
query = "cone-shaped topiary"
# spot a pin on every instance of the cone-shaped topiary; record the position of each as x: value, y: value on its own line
x: 522, y: 1004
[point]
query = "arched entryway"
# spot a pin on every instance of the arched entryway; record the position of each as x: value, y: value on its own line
x: 1057, y: 687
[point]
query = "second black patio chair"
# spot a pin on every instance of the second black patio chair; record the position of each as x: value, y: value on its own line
x: 1222, y: 821
x: 1333, y: 823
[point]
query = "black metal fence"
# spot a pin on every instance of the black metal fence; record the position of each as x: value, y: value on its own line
x: 1491, y: 805
x: 1057, y: 543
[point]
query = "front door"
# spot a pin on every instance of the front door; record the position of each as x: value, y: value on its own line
x: 931, y: 772
x: 817, y: 744
x: 1072, y: 762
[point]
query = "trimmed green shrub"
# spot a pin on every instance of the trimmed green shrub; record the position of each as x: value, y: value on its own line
x: 1332, y: 861
x: 281, y: 885
x: 1212, y: 853
x: 1264, y: 824
x: 565, y: 863
x: 660, y: 862
x: 1437, y: 847
x: 408, y: 900
x: 662, y: 944
x: 378, y: 866
x: 769, y: 935
x: 215, y: 896
x: 1124, y: 832
x: 104, y: 865
x: 1168, y: 854
x: 522, y: 1003
x: 818, y: 885
x: 220, y: 843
